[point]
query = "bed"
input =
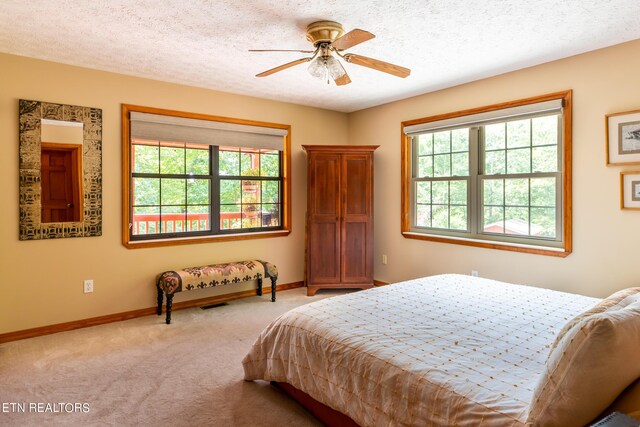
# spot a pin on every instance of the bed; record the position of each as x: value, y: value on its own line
x: 453, y: 350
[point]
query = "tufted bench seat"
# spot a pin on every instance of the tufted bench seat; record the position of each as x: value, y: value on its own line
x: 208, y: 276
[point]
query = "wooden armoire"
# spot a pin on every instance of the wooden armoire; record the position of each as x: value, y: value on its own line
x: 339, y: 216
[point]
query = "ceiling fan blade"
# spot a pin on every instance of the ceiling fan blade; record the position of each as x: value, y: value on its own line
x: 283, y: 67
x: 378, y: 65
x: 343, y: 80
x: 351, y: 39
x: 280, y: 50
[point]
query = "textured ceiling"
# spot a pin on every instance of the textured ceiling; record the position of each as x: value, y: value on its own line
x: 204, y: 43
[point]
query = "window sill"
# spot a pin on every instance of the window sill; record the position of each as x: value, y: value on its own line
x: 176, y: 241
x: 489, y: 244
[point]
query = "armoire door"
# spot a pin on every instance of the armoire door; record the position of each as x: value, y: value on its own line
x: 324, y: 219
x: 357, y: 224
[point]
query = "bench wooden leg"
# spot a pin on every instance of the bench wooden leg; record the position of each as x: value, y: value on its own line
x: 169, y: 305
x: 160, y: 298
x: 273, y: 289
x: 260, y: 286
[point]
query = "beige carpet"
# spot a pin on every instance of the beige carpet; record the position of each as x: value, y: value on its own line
x: 143, y: 372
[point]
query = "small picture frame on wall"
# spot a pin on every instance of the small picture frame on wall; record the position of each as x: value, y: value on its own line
x: 630, y: 190
x: 623, y: 138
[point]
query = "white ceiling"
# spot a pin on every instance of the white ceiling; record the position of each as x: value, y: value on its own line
x: 204, y: 43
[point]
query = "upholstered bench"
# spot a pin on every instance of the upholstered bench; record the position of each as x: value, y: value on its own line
x: 208, y: 276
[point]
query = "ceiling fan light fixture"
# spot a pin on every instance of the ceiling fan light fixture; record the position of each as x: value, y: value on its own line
x: 318, y: 68
x: 326, y: 68
x: 334, y: 68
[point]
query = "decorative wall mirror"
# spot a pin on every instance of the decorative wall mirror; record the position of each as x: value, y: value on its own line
x: 60, y: 170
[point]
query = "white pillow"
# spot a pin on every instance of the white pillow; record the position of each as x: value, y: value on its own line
x: 613, y: 301
x: 591, y: 365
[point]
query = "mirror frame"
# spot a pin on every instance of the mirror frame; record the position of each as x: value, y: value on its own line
x: 30, y: 118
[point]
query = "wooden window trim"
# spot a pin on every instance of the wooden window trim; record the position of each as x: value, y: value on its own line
x: 405, y: 171
x: 126, y: 173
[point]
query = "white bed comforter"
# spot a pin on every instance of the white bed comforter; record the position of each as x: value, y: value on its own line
x: 446, y: 350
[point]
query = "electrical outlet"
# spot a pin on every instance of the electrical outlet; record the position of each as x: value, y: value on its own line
x: 88, y: 286
x: 474, y: 273
x: 384, y: 259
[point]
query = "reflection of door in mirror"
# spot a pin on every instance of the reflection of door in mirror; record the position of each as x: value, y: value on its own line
x: 60, y: 171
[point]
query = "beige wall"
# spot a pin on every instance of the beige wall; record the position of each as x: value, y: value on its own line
x: 606, y: 239
x: 42, y: 280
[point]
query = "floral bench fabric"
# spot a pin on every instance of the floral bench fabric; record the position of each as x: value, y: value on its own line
x: 208, y: 276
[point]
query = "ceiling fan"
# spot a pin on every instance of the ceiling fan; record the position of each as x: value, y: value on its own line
x: 328, y: 37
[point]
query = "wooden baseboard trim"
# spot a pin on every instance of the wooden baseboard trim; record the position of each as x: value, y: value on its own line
x: 377, y: 283
x: 117, y: 317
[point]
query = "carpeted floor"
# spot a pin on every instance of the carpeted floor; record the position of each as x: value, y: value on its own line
x: 143, y: 372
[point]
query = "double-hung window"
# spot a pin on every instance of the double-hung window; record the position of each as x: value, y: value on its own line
x: 497, y: 176
x: 190, y: 178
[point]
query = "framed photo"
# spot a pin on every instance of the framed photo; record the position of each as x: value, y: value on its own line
x: 630, y: 190
x: 623, y: 138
